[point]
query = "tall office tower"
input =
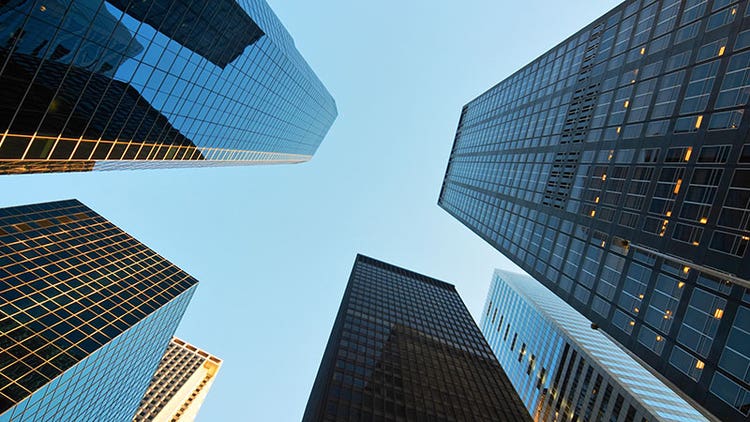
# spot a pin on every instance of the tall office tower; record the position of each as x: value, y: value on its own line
x: 179, y: 385
x: 86, y: 312
x: 124, y: 84
x: 615, y: 169
x: 562, y: 369
x: 404, y: 347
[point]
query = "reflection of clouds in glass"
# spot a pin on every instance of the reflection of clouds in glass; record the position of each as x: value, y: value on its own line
x: 62, y: 31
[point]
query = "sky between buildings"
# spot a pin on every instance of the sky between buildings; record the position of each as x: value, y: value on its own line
x: 273, y: 246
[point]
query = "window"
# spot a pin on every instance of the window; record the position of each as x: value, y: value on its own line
x: 687, y: 233
x: 688, y: 124
x: 729, y: 243
x: 735, y: 357
x: 721, y: 18
x: 652, y: 340
x: 710, y: 50
x: 686, y: 33
x: 686, y: 363
x: 731, y: 393
x: 699, y: 88
x: 743, y: 40
x: 667, y: 17
x: 666, y: 97
x: 694, y: 9
x: 644, y: 92
x: 725, y: 120
x: 736, y: 211
x: 623, y: 321
x: 700, y: 323
x: 734, y: 88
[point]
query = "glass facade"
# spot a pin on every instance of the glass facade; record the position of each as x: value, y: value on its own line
x: 615, y: 169
x: 86, y: 312
x: 122, y: 84
x: 404, y: 347
x: 564, y: 370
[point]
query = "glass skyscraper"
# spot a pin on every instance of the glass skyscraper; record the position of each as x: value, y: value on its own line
x: 86, y: 312
x: 615, y: 169
x: 122, y: 84
x: 404, y: 347
x: 562, y: 369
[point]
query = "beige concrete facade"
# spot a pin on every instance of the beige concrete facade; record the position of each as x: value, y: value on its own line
x: 179, y: 385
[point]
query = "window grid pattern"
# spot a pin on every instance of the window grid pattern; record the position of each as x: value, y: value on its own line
x: 93, y: 84
x: 71, y: 283
x: 404, y: 347
x: 182, y: 379
x: 661, y: 161
x: 567, y: 367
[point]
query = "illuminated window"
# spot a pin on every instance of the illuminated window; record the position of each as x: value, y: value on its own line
x: 699, y: 364
x: 718, y: 313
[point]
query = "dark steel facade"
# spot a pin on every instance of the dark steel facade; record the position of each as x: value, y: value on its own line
x: 404, y: 347
x: 615, y: 169
x: 86, y: 312
x: 121, y: 84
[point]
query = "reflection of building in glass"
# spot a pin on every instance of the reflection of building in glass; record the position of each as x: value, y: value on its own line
x: 180, y: 384
x: 615, y: 169
x: 219, y: 31
x: 396, y: 334
x: 86, y: 312
x: 128, y: 84
x: 68, y: 32
x: 564, y: 370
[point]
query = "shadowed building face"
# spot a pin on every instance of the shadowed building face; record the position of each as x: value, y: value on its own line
x: 86, y: 312
x: 615, y: 169
x: 404, y: 347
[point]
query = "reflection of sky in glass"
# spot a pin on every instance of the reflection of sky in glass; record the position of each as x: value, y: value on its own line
x: 262, y: 101
x: 187, y: 74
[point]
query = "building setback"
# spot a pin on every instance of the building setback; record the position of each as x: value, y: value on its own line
x: 404, y: 347
x: 126, y: 84
x: 180, y: 384
x: 615, y: 169
x: 564, y: 370
x: 86, y: 312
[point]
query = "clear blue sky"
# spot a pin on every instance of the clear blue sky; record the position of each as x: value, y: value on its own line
x: 273, y: 246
